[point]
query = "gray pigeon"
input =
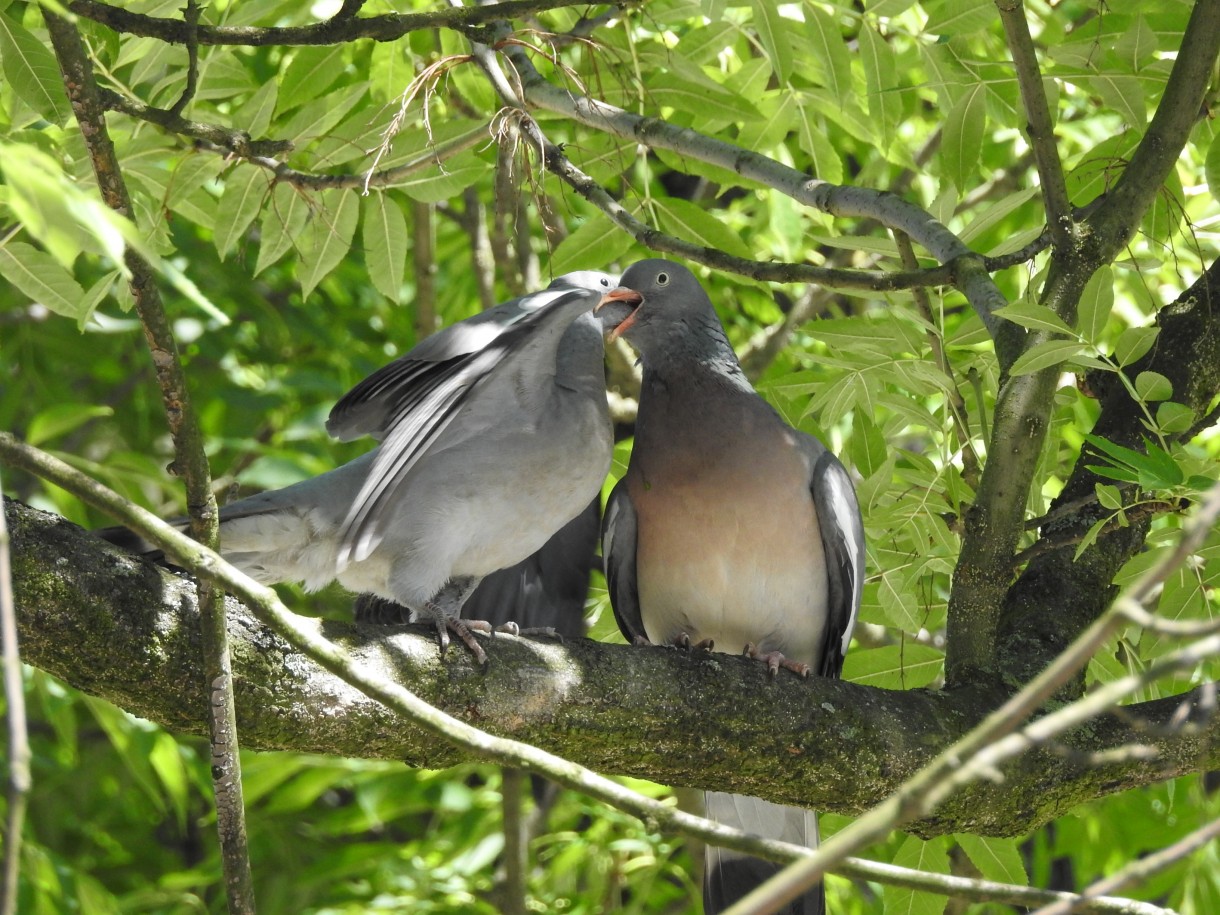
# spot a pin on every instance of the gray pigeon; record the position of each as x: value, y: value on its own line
x: 494, y: 434
x: 730, y: 529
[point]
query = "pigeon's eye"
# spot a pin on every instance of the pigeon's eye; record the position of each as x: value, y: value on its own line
x: 662, y: 279
x: 605, y: 282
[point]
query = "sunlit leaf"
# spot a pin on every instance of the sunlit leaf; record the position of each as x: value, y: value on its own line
x: 925, y: 856
x: 43, y: 279
x: 30, y: 68
x: 1045, y: 355
x: 997, y: 859
x: 774, y: 32
x: 595, y: 243
x: 245, y: 190
x: 385, y: 243
x: 328, y: 236
x: 962, y: 137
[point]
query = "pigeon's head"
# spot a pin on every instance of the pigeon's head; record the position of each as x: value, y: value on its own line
x: 592, y: 280
x: 655, y: 298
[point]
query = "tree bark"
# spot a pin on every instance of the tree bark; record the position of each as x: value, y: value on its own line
x: 121, y: 628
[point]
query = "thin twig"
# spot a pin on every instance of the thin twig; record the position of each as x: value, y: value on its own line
x: 1041, y: 125
x: 190, y: 461
x: 981, y: 752
x: 18, y: 733
x: 1137, y: 871
x: 190, y: 16
x: 955, y: 401
x: 423, y: 257
x: 336, y: 30
x: 267, y: 607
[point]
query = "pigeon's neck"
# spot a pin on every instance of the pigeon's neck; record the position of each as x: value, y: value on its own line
x: 580, y: 359
x: 694, y: 355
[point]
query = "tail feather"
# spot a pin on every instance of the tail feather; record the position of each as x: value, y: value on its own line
x: 729, y: 875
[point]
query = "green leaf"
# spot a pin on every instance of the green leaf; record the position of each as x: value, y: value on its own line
x: 61, y: 419
x: 907, y: 666
x: 594, y: 244
x: 881, y: 82
x: 826, y: 163
x: 1153, y: 386
x: 959, y: 17
x: 924, y: 856
x: 996, y: 859
x: 868, y: 445
x: 1154, y: 469
x: 1045, y: 355
x: 1090, y: 536
x: 44, y: 280
x: 1096, y: 301
x: 1109, y: 496
x: 328, y: 236
x: 962, y: 138
x: 1173, y: 417
x: 312, y: 71
x: 826, y: 53
x: 1035, y: 316
x: 281, y: 224
x: 385, y: 243
x: 30, y: 68
x: 705, y: 97
x: 245, y: 189
x: 691, y: 222
x: 1211, y: 167
x: 1133, y: 343
x: 255, y: 115
x: 774, y: 33
x: 317, y: 117
x: 1125, y: 94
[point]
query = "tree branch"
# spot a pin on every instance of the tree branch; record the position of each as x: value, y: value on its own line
x: 18, y: 782
x: 113, y: 626
x: 889, y: 210
x: 1116, y: 219
x: 1058, y: 595
x: 336, y: 30
x: 190, y: 461
x: 1041, y: 126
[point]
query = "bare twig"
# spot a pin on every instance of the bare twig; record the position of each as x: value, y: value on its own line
x: 18, y: 733
x: 1137, y: 871
x: 233, y: 142
x: 190, y: 460
x: 423, y: 257
x: 190, y: 15
x: 981, y: 752
x: 265, y: 604
x: 1041, y: 125
x: 336, y: 30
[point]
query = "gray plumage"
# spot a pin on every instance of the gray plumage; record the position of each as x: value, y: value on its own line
x: 494, y: 434
x: 729, y: 525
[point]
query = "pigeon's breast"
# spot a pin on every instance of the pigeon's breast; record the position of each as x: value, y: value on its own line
x: 729, y: 549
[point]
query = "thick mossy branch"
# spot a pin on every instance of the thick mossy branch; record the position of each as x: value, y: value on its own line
x: 125, y: 630
x: 1057, y: 595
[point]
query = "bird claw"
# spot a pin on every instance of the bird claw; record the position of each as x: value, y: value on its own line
x: 682, y: 640
x: 775, y: 660
x: 462, y: 629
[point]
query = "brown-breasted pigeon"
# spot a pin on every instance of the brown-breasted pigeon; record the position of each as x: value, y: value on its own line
x: 494, y: 434
x: 729, y: 527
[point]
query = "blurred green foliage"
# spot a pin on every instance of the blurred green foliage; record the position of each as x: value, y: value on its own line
x: 283, y: 296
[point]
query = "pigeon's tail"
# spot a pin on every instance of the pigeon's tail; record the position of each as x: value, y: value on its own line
x: 730, y: 875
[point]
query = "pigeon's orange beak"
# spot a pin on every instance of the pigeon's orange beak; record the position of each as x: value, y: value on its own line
x: 627, y: 297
